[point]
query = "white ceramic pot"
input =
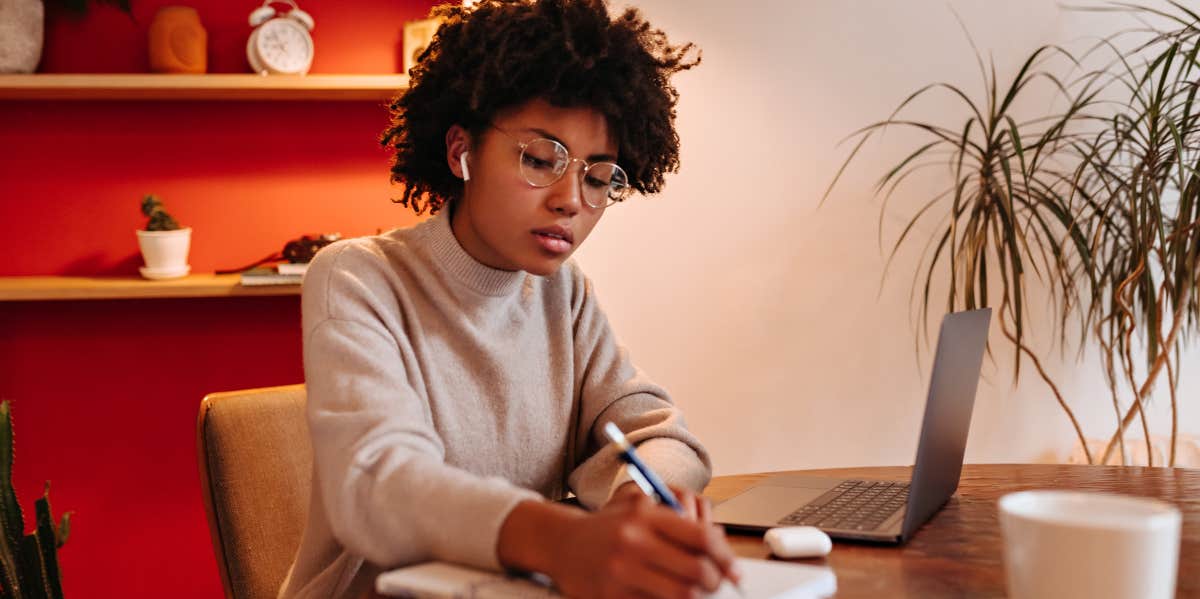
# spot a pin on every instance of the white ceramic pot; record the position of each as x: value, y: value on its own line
x: 21, y: 26
x: 165, y: 253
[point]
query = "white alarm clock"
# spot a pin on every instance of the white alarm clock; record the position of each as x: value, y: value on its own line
x: 280, y: 43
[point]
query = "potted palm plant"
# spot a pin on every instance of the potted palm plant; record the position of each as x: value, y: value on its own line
x: 1099, y: 202
x: 163, y: 242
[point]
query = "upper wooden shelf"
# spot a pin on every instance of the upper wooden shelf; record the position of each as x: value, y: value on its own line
x: 217, y: 86
x: 79, y: 288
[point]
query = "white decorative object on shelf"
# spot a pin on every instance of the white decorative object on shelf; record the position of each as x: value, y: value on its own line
x: 170, y: 273
x: 163, y: 242
x: 21, y: 26
x: 292, y: 268
x: 417, y: 37
x: 165, y: 253
x: 280, y: 43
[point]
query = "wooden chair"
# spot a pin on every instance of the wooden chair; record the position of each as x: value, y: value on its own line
x: 255, y: 470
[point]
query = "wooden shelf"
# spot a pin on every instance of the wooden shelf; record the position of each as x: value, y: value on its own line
x: 200, y: 87
x: 88, y: 288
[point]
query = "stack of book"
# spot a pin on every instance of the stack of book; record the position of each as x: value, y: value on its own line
x: 284, y: 273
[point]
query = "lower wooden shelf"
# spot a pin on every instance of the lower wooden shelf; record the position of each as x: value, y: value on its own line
x: 87, y: 288
x: 209, y: 86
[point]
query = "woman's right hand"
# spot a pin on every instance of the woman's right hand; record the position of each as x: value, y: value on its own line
x: 634, y: 547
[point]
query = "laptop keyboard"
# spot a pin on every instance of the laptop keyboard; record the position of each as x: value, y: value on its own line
x: 852, y: 505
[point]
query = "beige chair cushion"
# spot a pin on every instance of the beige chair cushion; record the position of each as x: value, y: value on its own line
x: 255, y: 468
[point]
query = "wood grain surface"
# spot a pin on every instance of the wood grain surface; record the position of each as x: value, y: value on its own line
x: 959, y: 552
x: 208, y: 86
x: 100, y: 288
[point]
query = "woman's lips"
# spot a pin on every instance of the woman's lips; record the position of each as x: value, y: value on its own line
x: 552, y: 243
x: 557, y: 239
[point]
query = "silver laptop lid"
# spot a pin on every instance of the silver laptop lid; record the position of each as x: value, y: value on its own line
x: 952, y: 387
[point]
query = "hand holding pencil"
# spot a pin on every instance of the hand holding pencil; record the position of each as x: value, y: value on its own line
x: 633, y: 546
x: 683, y: 502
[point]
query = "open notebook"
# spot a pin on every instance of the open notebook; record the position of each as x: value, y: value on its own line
x: 761, y: 579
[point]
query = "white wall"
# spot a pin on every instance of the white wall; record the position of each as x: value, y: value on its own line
x: 763, y: 313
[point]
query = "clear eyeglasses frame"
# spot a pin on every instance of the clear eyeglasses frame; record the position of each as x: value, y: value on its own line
x: 544, y: 161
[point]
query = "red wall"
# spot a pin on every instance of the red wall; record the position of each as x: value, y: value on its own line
x: 105, y: 393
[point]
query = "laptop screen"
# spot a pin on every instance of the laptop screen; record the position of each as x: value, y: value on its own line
x: 952, y: 386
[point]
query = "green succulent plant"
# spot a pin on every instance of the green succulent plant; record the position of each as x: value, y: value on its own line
x: 159, y: 219
x: 28, y: 562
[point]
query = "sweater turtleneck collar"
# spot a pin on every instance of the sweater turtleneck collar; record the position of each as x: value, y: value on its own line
x: 448, y: 253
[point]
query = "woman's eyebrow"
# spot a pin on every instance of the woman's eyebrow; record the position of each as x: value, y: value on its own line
x: 592, y: 158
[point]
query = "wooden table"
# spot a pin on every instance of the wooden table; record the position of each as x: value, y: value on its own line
x: 958, y: 553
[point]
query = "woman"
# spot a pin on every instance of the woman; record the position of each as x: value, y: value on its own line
x: 460, y: 372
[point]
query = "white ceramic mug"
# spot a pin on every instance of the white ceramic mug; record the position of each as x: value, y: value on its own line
x: 1067, y: 544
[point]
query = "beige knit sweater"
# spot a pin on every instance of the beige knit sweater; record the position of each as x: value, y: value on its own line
x: 442, y: 392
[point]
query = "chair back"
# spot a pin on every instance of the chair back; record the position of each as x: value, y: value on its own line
x: 256, y: 471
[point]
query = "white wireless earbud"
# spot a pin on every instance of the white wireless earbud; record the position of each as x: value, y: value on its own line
x: 466, y: 172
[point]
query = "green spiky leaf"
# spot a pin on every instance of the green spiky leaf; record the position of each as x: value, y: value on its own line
x: 33, y: 578
x: 48, y: 545
x: 63, y: 530
x: 12, y: 521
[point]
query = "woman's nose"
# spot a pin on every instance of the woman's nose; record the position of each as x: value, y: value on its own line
x: 566, y: 195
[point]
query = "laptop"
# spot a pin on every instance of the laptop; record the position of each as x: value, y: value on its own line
x: 883, y: 511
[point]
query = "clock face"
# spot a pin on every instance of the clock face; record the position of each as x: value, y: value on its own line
x: 282, y: 46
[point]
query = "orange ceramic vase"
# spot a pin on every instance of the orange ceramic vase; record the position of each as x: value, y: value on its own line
x: 178, y: 42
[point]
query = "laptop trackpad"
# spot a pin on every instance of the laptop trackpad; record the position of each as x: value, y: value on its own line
x: 764, y: 505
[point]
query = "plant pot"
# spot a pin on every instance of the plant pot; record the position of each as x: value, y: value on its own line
x: 21, y: 26
x: 178, y: 42
x: 165, y: 253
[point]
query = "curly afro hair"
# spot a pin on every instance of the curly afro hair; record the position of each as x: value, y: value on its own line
x: 503, y: 53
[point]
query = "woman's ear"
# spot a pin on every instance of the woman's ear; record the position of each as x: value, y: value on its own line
x: 458, y: 145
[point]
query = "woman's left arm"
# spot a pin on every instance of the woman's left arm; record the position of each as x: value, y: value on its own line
x: 611, y: 389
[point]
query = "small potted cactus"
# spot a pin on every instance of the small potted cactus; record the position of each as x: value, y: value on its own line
x: 163, y: 242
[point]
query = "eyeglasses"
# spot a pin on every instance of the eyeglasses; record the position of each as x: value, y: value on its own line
x: 544, y: 161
